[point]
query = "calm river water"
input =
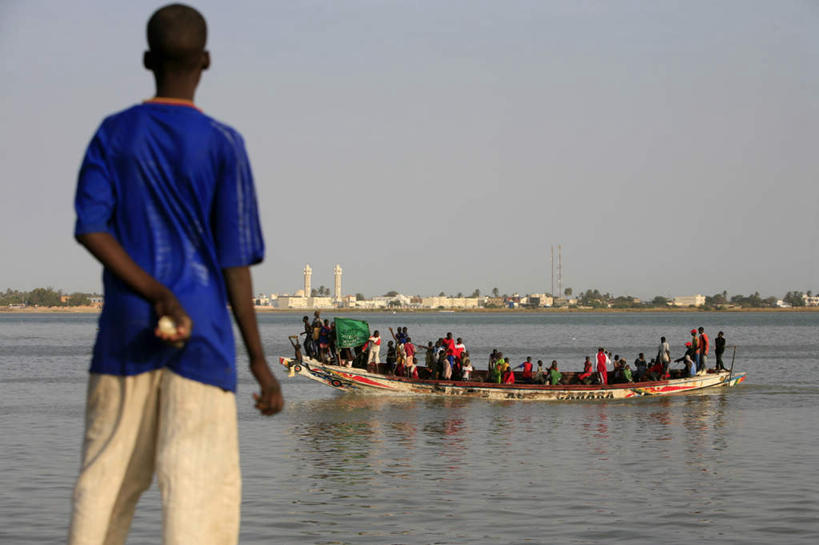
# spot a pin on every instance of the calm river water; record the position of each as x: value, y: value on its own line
x: 740, y: 466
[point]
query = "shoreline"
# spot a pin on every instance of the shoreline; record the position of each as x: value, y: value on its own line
x: 264, y: 310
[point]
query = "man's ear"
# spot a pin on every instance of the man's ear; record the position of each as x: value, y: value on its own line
x: 205, y: 60
x: 148, y: 60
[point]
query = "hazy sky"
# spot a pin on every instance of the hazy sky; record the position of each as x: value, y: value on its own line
x: 670, y: 147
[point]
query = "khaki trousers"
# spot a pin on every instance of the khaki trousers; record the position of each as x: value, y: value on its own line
x: 158, y: 422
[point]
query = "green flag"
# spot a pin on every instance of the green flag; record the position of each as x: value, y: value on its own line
x: 351, y: 333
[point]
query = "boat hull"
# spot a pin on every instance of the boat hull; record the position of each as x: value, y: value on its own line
x: 347, y: 379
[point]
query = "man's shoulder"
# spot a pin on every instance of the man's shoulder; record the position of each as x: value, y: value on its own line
x: 190, y: 115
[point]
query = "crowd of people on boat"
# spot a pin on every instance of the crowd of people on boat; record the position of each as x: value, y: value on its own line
x: 448, y: 359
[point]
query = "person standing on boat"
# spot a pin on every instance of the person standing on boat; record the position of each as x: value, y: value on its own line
x: 460, y: 348
x: 602, y: 369
x: 664, y: 354
x: 308, y: 337
x: 324, y: 341
x: 374, y: 349
x: 409, y: 352
x: 400, y: 356
x: 640, y: 367
x: 316, y: 326
x: 449, y: 345
x: 695, y: 346
x: 586, y: 376
x: 703, y: 351
x: 429, y: 359
x: 391, y: 357
x: 719, y: 349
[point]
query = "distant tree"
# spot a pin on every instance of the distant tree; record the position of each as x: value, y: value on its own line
x: 442, y: 294
x: 476, y: 293
x: 459, y: 295
x: 624, y: 301
x: 809, y: 293
x: 567, y: 292
x: 794, y: 299
x: 44, y: 297
x: 79, y: 299
x: 314, y: 292
x: 12, y: 297
x: 660, y: 301
x: 718, y: 299
x: 495, y: 292
x: 359, y: 297
x: 391, y: 293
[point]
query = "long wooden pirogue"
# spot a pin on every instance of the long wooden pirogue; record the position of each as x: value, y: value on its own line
x: 349, y: 379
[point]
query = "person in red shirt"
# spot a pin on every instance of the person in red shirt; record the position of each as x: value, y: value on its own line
x: 409, y: 351
x: 586, y: 376
x: 459, y: 349
x: 601, y: 366
x: 702, y: 348
x: 449, y: 347
x: 657, y: 370
x: 508, y: 376
x: 526, y: 376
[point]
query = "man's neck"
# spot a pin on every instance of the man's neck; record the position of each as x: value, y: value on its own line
x: 178, y: 88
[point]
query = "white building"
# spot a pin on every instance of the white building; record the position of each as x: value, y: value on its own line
x: 261, y: 300
x: 396, y: 300
x: 812, y: 301
x: 450, y: 302
x: 689, y: 301
x: 298, y: 301
x: 292, y: 301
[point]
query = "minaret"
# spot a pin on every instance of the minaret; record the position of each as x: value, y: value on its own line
x: 308, y: 274
x: 337, y: 278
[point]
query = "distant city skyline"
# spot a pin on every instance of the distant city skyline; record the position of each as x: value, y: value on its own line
x: 446, y: 146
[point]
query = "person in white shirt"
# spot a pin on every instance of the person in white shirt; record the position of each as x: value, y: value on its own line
x: 374, y: 353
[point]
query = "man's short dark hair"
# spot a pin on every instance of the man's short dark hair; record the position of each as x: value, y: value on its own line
x: 177, y: 34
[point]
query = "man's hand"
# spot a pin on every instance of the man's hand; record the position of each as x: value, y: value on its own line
x: 168, y: 305
x: 270, y: 400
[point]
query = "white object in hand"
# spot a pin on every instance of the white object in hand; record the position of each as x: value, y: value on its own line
x: 167, y: 326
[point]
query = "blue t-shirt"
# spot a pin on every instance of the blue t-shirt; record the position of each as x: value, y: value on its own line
x: 174, y: 187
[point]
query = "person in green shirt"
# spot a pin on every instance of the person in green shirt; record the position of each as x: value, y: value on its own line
x: 555, y: 376
x: 500, y: 366
x: 627, y: 373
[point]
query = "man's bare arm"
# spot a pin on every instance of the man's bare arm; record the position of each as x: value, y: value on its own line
x: 113, y: 256
x: 240, y: 294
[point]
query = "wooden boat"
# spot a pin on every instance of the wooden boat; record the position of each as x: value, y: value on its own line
x: 350, y: 379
